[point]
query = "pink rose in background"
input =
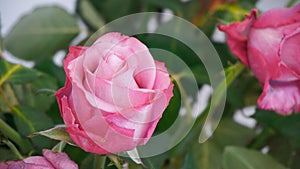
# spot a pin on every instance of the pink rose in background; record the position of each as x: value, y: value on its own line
x: 50, y: 160
x: 114, y: 95
x: 270, y: 46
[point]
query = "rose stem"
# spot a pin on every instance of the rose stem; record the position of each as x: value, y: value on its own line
x: 14, y: 136
x: 13, y: 149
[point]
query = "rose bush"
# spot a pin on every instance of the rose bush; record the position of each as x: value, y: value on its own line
x: 270, y: 46
x: 114, y: 95
x: 49, y: 160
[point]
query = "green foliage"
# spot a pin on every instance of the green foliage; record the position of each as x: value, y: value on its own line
x: 231, y: 133
x: 90, y: 14
x: 206, y: 155
x: 288, y: 126
x: 104, y: 8
x: 174, y: 5
x: 29, y: 120
x: 93, y: 161
x: 11, y: 73
x: 41, y: 34
x: 237, y: 158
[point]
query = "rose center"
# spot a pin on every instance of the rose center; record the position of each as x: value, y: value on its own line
x: 115, y: 62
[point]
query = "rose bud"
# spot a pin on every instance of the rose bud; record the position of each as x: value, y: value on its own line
x: 114, y: 95
x: 49, y: 160
x: 270, y: 46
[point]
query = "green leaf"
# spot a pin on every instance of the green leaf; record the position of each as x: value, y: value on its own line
x: 59, y: 146
x: 280, y: 149
x: 174, y: 5
x: 93, y: 161
x: 206, y: 155
x: 114, y: 9
x: 89, y: 14
x: 8, y: 91
x: 48, y: 66
x: 242, y: 158
x: 29, y: 120
x: 41, y: 33
x: 20, y: 84
x: 76, y: 154
x: 6, y: 154
x: 286, y: 125
x: 232, y: 133
x: 26, y: 94
x: 56, y: 133
x: 13, y: 73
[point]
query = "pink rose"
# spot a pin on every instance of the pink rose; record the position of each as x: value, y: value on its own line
x: 115, y: 94
x: 50, y: 160
x: 270, y: 47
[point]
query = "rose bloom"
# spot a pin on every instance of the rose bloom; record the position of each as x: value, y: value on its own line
x: 114, y: 95
x: 270, y: 46
x: 49, y: 160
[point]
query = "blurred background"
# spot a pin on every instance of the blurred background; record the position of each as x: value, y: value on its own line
x: 246, y: 137
x: 12, y: 10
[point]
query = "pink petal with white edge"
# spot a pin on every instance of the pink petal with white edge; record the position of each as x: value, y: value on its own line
x: 282, y: 97
x: 237, y: 36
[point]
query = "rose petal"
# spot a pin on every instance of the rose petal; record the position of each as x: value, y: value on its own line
x: 79, y: 136
x: 286, y: 74
x: 290, y: 50
x: 145, y: 68
x: 74, y: 52
x: 122, y: 91
x: 282, y: 97
x: 36, y: 162
x: 92, y: 126
x: 59, y: 160
x: 134, y: 52
x: 162, y: 80
x: 278, y: 17
x: 3, y: 165
x: 85, y: 141
x: 237, y: 36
